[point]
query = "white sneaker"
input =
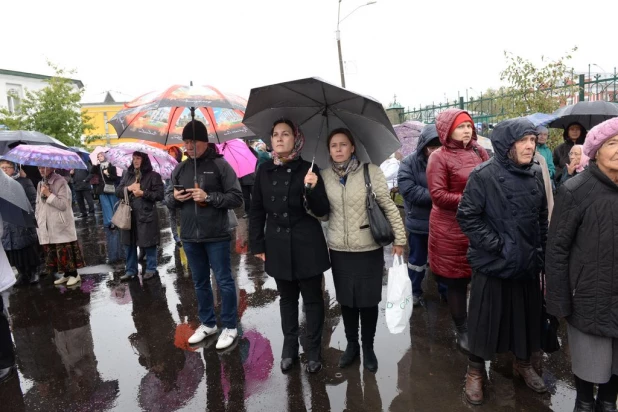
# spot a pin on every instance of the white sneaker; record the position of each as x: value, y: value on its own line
x: 61, y: 280
x: 202, y: 333
x: 226, y: 338
x: 74, y: 280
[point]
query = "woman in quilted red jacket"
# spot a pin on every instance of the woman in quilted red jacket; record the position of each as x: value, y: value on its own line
x: 448, y: 169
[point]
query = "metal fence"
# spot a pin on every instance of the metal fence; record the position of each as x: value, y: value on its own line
x: 498, y: 105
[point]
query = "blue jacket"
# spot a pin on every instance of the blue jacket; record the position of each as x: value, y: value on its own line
x: 412, y: 180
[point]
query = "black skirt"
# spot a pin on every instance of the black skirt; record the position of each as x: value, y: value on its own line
x: 504, y: 316
x: 358, y: 277
x: 26, y: 260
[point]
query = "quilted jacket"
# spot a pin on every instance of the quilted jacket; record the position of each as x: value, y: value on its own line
x: 54, y: 216
x: 448, y: 169
x: 581, y: 263
x: 503, y: 210
x: 348, y: 224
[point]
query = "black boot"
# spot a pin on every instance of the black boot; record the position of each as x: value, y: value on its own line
x: 370, y: 362
x: 600, y: 406
x: 581, y: 406
x: 352, y: 351
x: 461, y: 326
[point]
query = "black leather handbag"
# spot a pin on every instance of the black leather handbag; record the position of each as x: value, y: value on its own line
x: 549, y: 325
x: 378, y: 223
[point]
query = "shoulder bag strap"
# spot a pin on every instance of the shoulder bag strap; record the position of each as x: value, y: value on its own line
x: 368, y: 180
x: 126, y: 195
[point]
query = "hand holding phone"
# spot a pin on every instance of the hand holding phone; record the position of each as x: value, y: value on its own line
x: 181, y: 194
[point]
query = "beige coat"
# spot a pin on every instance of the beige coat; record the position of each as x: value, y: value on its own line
x: 348, y: 224
x: 547, y: 183
x: 54, y: 215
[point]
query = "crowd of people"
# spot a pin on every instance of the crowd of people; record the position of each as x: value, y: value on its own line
x: 479, y: 226
x: 487, y: 224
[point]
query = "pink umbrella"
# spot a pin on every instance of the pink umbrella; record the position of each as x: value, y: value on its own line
x: 239, y: 156
x: 93, y: 156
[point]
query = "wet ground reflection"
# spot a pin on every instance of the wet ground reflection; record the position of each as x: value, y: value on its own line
x: 105, y: 345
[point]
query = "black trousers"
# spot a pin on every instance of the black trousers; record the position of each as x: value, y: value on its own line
x: 311, y: 289
x: 86, y: 195
x: 246, y: 195
x: 7, y: 354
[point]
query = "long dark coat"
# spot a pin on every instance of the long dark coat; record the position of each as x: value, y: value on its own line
x: 144, y: 217
x: 16, y: 237
x: 581, y: 254
x: 292, y: 240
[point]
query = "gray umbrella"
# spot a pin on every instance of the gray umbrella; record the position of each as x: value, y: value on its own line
x: 588, y: 114
x: 14, y: 205
x: 320, y: 107
x: 9, y: 137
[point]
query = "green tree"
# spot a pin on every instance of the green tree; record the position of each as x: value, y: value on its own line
x: 530, y: 89
x: 53, y: 110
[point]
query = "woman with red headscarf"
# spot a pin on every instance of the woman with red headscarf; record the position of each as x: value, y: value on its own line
x: 448, y: 169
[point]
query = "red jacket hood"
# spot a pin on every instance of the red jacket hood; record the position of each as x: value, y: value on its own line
x: 444, y: 122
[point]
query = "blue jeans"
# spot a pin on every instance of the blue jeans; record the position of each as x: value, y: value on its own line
x: 107, y: 206
x: 417, y: 263
x: 216, y: 255
x: 131, y: 253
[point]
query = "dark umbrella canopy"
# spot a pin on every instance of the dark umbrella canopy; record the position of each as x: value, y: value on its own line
x: 588, y: 114
x: 10, y: 137
x: 14, y: 205
x: 320, y: 107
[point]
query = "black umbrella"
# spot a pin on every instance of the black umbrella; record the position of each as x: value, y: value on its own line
x: 14, y: 205
x: 10, y: 137
x: 588, y: 114
x: 319, y: 107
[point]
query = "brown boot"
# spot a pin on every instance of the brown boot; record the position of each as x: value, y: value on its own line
x: 537, y: 362
x: 526, y: 371
x: 474, y: 383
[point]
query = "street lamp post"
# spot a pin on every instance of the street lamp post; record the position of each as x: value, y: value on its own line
x: 338, y: 36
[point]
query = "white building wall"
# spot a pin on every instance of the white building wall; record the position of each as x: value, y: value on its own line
x: 20, y: 84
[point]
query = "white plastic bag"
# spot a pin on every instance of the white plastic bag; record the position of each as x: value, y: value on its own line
x: 398, y: 297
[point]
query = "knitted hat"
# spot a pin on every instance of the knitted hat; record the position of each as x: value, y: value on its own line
x: 598, y: 135
x: 461, y: 117
x: 201, y: 134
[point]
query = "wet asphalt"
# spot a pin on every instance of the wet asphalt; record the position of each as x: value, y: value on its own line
x: 105, y: 345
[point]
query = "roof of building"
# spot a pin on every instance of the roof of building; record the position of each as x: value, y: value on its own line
x: 78, y: 83
x: 95, y: 100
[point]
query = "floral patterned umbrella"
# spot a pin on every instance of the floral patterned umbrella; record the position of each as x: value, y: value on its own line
x: 45, y: 156
x: 160, y: 116
x: 122, y: 155
x: 408, y: 134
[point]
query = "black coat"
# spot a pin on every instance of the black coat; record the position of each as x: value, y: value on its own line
x: 81, y: 180
x: 280, y: 227
x: 412, y: 181
x: 16, y: 237
x: 582, y: 270
x: 561, y: 152
x: 503, y: 211
x: 144, y: 217
x: 217, y: 178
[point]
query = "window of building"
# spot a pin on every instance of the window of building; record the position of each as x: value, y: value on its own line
x: 13, y: 96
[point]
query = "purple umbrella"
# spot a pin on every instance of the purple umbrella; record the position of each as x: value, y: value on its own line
x: 408, y: 133
x: 153, y: 395
x: 45, y: 156
x: 122, y: 155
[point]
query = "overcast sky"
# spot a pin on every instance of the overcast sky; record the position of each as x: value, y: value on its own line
x: 419, y: 50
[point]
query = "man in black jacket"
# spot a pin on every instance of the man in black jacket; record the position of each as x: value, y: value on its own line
x: 204, y: 198
x: 83, y: 191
